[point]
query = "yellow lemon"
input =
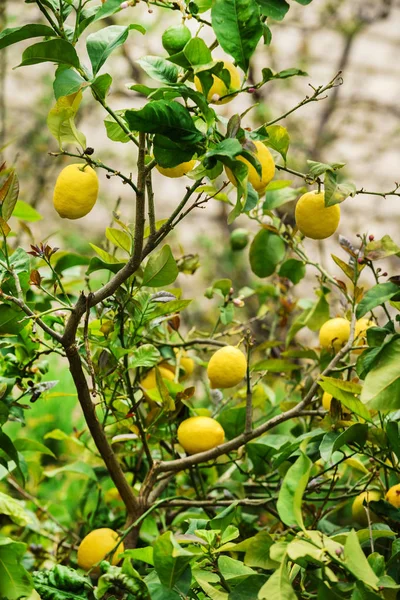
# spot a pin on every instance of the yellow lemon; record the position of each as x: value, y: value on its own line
x: 149, y: 382
x: 360, y: 333
x: 178, y: 171
x: 199, y: 434
x: 358, y: 509
x: 326, y: 403
x: 314, y: 219
x: 185, y: 362
x: 267, y: 168
x: 219, y: 88
x: 76, y: 191
x: 95, y: 547
x: 334, y: 334
x: 227, y: 367
x: 393, y: 495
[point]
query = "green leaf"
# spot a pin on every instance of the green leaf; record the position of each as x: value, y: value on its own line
x: 101, y: 85
x: 205, y: 579
x: 9, y: 193
x: 237, y: 25
x: 28, y: 445
x: 276, y: 365
x: 257, y: 553
x: 96, y: 264
x: 292, y: 490
x: 278, y: 139
x: 15, y: 510
x: 356, y: 562
x: 161, y: 269
x: 278, y: 586
x: 169, y: 308
x: 159, y: 69
x: 275, y: 198
x: 146, y: 355
x: 67, y: 82
x: 248, y: 588
x: 293, y: 269
x: 170, y: 154
x: 336, y: 192
x: 61, y: 123
x: 102, y: 43
x: 77, y: 467
x: 119, y: 238
x: 381, y: 390
x: 26, y: 212
x: 266, y: 251
x: 275, y: 9
x: 11, y: 320
x: 15, y: 581
x: 69, y: 260
x: 378, y: 249
x: 377, y: 295
x: 165, y: 118
x: 18, y: 34
x: 114, y: 130
x: 61, y: 583
x: 56, y: 51
x: 197, y: 52
x: 344, y: 392
x: 170, y: 559
x: 333, y: 441
x: 231, y: 568
x: 316, y: 168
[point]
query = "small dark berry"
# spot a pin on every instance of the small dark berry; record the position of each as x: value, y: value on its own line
x: 371, y: 238
x: 89, y: 151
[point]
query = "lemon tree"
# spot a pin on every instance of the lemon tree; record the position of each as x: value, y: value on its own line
x: 241, y: 443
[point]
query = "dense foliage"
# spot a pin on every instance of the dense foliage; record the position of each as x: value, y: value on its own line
x: 268, y: 513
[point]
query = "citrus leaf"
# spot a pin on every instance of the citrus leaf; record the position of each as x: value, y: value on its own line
x: 55, y: 51
x: 18, y: 34
x: 161, y: 269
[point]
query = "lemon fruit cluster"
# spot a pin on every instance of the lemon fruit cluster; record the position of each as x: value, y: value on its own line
x: 334, y: 333
x: 75, y: 192
x: 314, y: 219
x: 198, y: 434
x: 264, y: 156
x: 178, y: 171
x: 95, y: 547
x: 227, y: 367
x: 358, y: 510
x: 219, y: 87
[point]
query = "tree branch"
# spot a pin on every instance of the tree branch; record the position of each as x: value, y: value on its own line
x: 244, y: 438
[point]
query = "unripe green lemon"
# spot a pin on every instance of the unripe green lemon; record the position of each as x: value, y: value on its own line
x: 95, y: 547
x: 175, y: 38
x: 239, y: 238
x: 75, y: 192
x: 199, y: 434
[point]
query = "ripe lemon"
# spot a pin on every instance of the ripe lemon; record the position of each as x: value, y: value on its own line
x: 314, y: 219
x: 360, y: 333
x: 76, y: 191
x: 267, y: 168
x: 178, y: 171
x: 327, y: 400
x: 199, y: 434
x: 185, y: 362
x: 227, y: 367
x: 358, y: 510
x: 334, y: 334
x: 219, y: 88
x: 95, y: 547
x: 149, y: 381
x: 175, y: 38
x: 393, y: 495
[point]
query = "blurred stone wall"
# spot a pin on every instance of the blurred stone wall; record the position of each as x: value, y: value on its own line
x: 358, y: 123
